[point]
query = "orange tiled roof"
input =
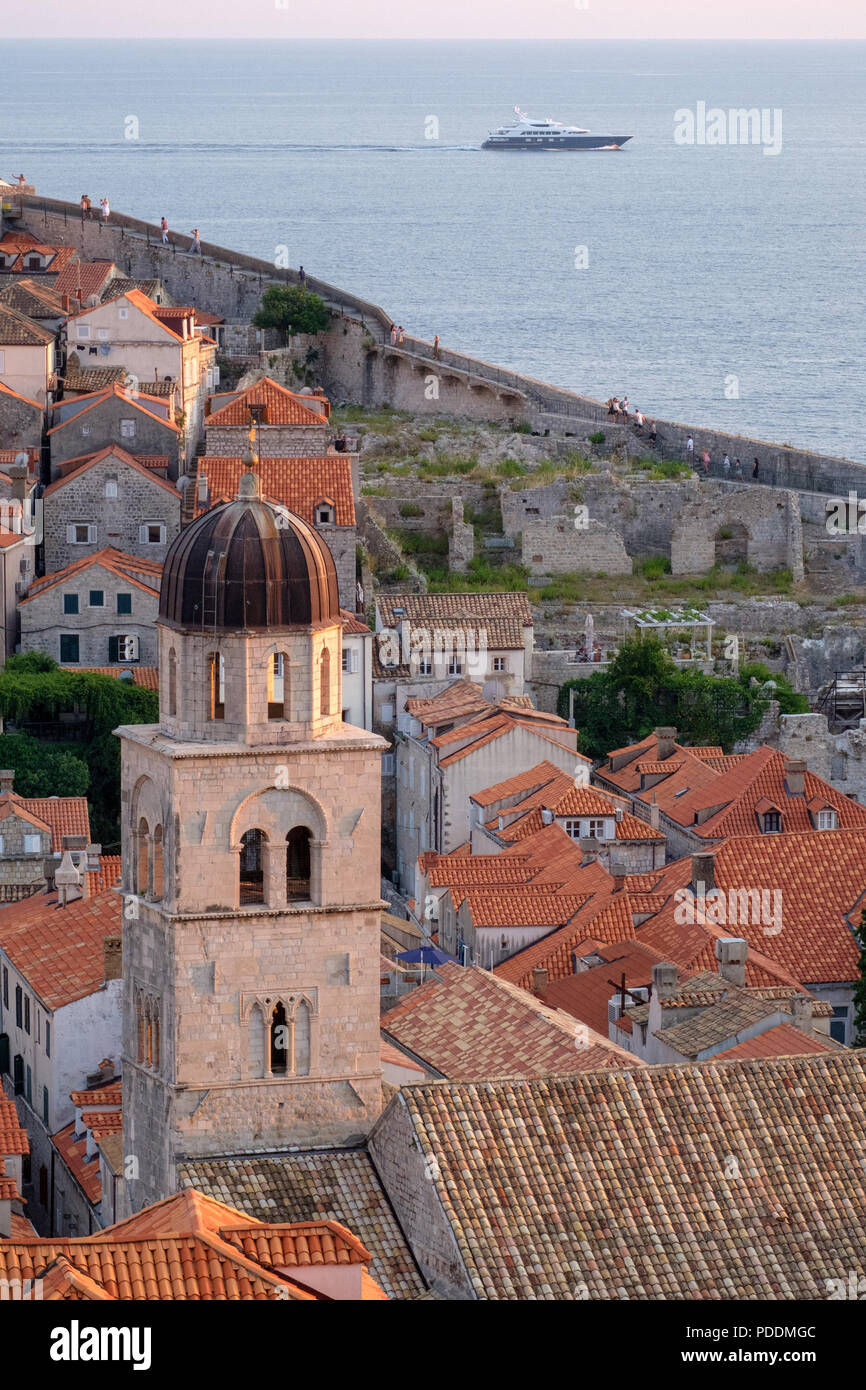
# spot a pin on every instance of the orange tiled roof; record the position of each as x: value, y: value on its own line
x: 526, y: 906
x: 62, y: 815
x: 497, y: 618
x: 145, y: 676
x: 353, y: 626
x: 586, y: 994
x: 60, y: 255
x: 17, y: 330
x: 470, y: 1024
x: 284, y: 406
x: 782, y: 1041
x: 33, y: 298
x: 144, y: 574
x: 630, y: 1193
x: 88, y: 276
x: 59, y: 950
x: 461, y: 698
x: 188, y: 1247
x: 99, y: 1095
x: 295, y: 483
x: 85, y: 1171
x: 13, y: 1138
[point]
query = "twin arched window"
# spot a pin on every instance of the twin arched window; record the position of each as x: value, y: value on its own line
x: 254, y: 867
x: 147, y: 1023
x: 148, y: 861
x: 280, y: 1037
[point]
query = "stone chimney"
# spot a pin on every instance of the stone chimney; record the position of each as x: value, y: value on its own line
x: 19, y: 473
x: 795, y: 776
x: 654, y: 813
x: 732, y: 952
x: 93, y: 853
x: 539, y: 982
x: 591, y: 850
x: 703, y: 872
x: 665, y: 740
x: 67, y: 880
x: 664, y: 980
x: 801, y: 1008
x: 202, y: 492
x: 7, y: 779
x: 618, y: 874
x: 112, y: 955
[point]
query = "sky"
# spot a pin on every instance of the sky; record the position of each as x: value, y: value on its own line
x: 441, y: 19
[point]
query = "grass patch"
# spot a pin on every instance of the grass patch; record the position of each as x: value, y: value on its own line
x: 510, y: 468
x: 653, y: 567
x: 845, y: 600
x: 597, y: 437
x: 483, y: 575
x: 408, y: 509
x: 567, y: 588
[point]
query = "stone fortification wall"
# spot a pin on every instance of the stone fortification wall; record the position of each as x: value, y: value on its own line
x: 556, y: 546
x: 369, y: 370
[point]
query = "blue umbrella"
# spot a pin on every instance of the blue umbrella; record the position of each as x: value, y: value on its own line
x: 425, y: 955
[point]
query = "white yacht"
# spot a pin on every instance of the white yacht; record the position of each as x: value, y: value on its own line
x: 526, y: 134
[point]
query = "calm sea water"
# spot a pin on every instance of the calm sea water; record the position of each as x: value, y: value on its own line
x: 703, y: 264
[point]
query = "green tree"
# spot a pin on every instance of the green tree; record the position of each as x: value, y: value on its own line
x: 43, y: 769
x: 643, y: 687
x: 292, y: 309
x: 790, y: 700
x: 33, y: 688
x: 860, y: 987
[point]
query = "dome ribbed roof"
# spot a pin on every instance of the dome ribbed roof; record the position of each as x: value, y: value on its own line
x: 248, y: 564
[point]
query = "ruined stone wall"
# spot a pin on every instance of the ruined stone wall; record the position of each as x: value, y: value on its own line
x: 770, y: 519
x: 557, y: 546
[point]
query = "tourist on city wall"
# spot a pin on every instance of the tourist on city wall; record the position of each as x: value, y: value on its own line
x: 103, y: 203
x: 690, y: 450
x: 652, y: 431
x: 302, y: 275
x: 726, y: 464
x: 436, y: 346
x: 164, y: 229
x: 705, y: 461
x: 400, y: 335
x: 738, y: 469
x: 638, y: 421
x: 195, y: 248
x: 624, y: 408
x: 393, y: 335
x: 86, y: 206
x: 755, y: 471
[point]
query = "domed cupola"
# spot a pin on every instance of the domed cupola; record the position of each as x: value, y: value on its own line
x: 248, y: 565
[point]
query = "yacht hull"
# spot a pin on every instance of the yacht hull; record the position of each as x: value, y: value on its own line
x: 565, y: 142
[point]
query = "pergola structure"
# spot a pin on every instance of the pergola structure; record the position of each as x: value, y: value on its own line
x: 658, y: 620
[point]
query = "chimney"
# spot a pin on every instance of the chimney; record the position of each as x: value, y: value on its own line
x: 539, y: 982
x: 795, y: 774
x: 732, y: 952
x: 665, y: 740
x: 654, y: 813
x: 19, y: 474
x: 703, y: 872
x: 67, y: 879
x: 546, y: 815
x: 801, y: 1008
x: 106, y: 1069
x: 7, y: 779
x: 112, y: 956
x: 202, y: 491
x: 93, y: 853
x: 618, y: 874
x: 591, y: 850
x: 664, y: 980
x: 64, y: 303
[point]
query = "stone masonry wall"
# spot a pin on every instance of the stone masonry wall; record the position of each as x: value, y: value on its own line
x: 117, y: 520
x: 43, y: 619
x: 557, y: 546
x: 100, y: 427
x: 273, y: 441
x: 20, y: 423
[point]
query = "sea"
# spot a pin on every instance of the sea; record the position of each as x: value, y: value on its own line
x: 711, y: 283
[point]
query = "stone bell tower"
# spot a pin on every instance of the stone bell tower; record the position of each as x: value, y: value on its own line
x: 251, y: 850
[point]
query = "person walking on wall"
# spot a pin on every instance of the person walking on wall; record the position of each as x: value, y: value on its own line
x: 690, y: 451
x: 195, y: 248
x: 400, y: 336
x: 86, y: 209
x: 705, y: 461
x: 726, y: 464
x: 105, y: 209
x: 738, y: 469
x: 393, y: 335
x: 436, y: 347
x: 755, y: 470
x: 164, y: 229
x: 302, y: 276
x: 652, y: 431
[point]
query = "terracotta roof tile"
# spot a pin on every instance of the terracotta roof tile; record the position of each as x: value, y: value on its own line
x: 631, y: 1194
x: 62, y: 815
x: 296, y: 483
x: 284, y: 407
x: 144, y: 574
x: 145, y: 676
x: 13, y: 1138
x: 16, y: 330
x: 59, y: 950
x: 782, y: 1041
x: 90, y: 277
x: 468, y: 1023
x: 114, y: 452
x: 499, y: 619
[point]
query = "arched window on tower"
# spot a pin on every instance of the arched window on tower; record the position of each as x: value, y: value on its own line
x: 154, y: 1035
x: 278, y: 686
x: 279, y: 1041
x: 172, y: 681
x: 216, y: 686
x: 157, y: 862
x: 252, y: 867
x: 140, y: 1028
x: 325, y: 683
x: 298, y: 864
x: 142, y: 859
